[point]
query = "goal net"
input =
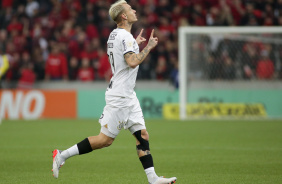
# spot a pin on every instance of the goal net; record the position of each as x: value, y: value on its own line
x: 243, y: 58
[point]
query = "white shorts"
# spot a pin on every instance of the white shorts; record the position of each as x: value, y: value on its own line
x: 120, y: 113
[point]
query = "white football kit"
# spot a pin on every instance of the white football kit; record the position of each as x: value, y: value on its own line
x: 122, y: 108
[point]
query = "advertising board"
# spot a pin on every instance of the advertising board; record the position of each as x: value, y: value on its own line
x: 34, y: 104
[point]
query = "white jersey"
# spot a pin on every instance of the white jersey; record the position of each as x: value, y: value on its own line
x: 123, y: 80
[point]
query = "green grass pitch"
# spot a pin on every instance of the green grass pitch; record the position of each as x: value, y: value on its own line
x: 196, y: 152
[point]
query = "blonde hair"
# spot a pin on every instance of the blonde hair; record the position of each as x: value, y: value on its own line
x: 116, y: 9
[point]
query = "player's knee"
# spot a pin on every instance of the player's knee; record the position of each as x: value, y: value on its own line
x: 142, y: 137
x: 104, y: 141
x: 145, y: 135
x: 108, y: 142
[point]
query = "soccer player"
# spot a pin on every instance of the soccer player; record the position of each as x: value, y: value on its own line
x: 122, y: 108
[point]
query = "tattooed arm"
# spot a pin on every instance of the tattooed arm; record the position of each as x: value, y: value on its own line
x: 134, y: 60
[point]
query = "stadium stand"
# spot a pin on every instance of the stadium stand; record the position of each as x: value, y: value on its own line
x: 65, y: 39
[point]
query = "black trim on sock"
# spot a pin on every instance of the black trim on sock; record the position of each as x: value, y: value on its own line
x: 84, y: 147
x: 147, y: 161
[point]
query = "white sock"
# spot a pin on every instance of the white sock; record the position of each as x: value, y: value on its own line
x: 72, y: 151
x: 151, y: 174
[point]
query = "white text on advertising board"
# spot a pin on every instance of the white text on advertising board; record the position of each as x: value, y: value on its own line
x: 17, y: 104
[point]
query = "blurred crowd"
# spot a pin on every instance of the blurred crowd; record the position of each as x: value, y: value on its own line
x: 235, y: 56
x: 66, y: 39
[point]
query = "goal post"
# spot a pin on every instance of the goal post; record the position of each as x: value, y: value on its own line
x: 182, y: 72
x: 208, y: 38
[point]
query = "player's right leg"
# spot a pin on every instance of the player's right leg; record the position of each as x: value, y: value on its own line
x: 86, y: 146
x: 144, y: 154
x: 136, y: 126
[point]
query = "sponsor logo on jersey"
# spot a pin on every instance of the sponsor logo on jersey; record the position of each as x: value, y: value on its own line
x: 113, y: 36
x: 129, y: 44
x: 110, y: 45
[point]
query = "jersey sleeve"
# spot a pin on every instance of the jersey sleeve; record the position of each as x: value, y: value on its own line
x: 127, y: 44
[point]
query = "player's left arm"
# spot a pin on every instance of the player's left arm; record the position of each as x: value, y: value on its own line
x: 134, y: 59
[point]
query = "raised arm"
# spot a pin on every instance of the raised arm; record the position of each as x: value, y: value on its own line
x: 134, y: 60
